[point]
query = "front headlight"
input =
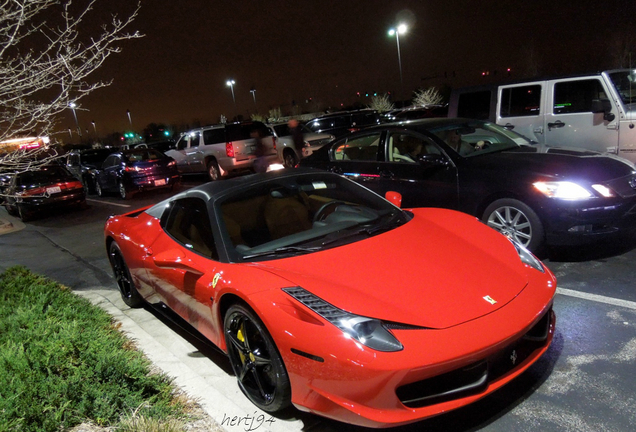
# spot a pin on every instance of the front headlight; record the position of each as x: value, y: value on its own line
x: 527, y: 257
x: 368, y: 331
x: 570, y: 190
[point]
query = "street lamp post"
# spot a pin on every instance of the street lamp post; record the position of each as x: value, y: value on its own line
x: 401, y: 29
x: 230, y: 83
x: 253, y: 91
x: 129, y: 118
x: 73, y: 105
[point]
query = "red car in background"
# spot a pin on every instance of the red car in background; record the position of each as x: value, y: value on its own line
x: 330, y: 298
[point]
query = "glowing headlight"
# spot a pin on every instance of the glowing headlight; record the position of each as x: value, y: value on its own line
x: 368, y: 331
x: 527, y: 257
x: 563, y: 190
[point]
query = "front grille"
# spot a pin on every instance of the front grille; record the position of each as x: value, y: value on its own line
x: 474, y: 378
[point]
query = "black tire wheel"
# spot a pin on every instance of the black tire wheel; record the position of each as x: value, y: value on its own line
x: 123, y: 192
x: 127, y: 288
x: 24, y: 214
x: 11, y: 210
x: 517, y: 221
x: 213, y: 171
x: 290, y: 160
x: 98, y: 189
x: 255, y: 360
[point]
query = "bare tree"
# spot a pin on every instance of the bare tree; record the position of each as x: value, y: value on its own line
x: 46, y: 58
x: 428, y: 97
x: 381, y: 103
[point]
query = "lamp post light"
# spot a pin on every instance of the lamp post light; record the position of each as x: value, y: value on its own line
x: 401, y: 29
x: 129, y: 118
x: 230, y: 84
x: 253, y: 91
x: 73, y: 105
x: 94, y: 127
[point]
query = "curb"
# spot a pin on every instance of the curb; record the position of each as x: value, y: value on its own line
x: 5, y: 226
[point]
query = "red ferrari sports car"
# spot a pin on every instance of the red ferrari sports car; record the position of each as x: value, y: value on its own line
x: 329, y: 297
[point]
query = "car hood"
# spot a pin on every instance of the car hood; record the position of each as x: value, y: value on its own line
x: 433, y: 271
x: 555, y: 162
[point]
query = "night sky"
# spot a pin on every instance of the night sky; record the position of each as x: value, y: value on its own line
x: 318, y: 54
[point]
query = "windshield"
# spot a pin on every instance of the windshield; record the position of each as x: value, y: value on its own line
x: 625, y: 83
x: 303, y: 214
x: 476, y: 138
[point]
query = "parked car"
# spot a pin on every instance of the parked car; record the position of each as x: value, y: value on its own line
x: 129, y: 171
x: 84, y: 163
x: 535, y: 194
x: 41, y: 190
x: 592, y: 111
x: 342, y: 123
x: 222, y: 149
x: 285, y: 148
x: 309, y: 282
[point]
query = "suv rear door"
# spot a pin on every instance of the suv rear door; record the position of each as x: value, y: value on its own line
x: 522, y: 107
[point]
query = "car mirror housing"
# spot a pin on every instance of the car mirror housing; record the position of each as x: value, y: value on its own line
x: 394, y: 198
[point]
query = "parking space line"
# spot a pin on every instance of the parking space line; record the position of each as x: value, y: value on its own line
x: 597, y: 298
x: 108, y: 203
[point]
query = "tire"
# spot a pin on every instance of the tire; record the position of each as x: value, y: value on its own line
x: 125, y: 283
x: 24, y: 215
x: 98, y: 189
x: 11, y: 210
x: 255, y: 360
x: 516, y: 220
x: 213, y: 170
x: 123, y: 192
x: 290, y: 160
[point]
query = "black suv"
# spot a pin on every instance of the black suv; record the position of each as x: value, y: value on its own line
x: 83, y: 163
x: 342, y: 123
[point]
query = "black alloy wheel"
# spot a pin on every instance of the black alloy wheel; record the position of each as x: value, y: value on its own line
x: 127, y: 288
x: 517, y: 221
x: 255, y: 360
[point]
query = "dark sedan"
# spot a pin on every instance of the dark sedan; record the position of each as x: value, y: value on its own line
x: 130, y: 171
x: 84, y: 163
x: 536, y: 195
x: 35, y: 191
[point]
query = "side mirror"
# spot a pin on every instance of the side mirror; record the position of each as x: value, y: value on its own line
x: 603, y: 106
x: 394, y: 198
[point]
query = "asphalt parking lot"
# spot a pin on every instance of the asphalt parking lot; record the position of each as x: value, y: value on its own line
x: 585, y: 382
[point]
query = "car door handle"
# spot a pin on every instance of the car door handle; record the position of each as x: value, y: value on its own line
x: 556, y: 124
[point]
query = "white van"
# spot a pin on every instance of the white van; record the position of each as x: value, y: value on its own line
x: 593, y: 111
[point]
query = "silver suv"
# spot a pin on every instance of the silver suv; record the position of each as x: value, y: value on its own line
x: 222, y: 149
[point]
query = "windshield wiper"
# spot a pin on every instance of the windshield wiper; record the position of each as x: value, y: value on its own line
x: 283, y: 250
x: 393, y: 222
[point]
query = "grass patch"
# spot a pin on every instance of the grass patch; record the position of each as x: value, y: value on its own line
x: 63, y: 362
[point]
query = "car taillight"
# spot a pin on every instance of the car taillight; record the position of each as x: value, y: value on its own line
x: 73, y: 185
x: 172, y: 163
x: 274, y: 141
x: 229, y: 149
x: 34, y: 191
x: 131, y: 169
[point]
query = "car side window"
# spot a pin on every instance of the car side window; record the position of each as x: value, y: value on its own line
x: 577, y: 96
x: 521, y: 101
x: 407, y: 148
x: 110, y: 161
x: 364, y: 148
x: 214, y: 136
x: 188, y: 222
x: 182, y: 144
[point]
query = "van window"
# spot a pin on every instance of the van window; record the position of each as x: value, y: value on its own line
x: 182, y: 144
x: 520, y: 101
x: 214, y: 136
x: 577, y: 96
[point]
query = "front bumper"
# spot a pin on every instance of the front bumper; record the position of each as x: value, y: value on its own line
x: 335, y: 377
x: 571, y: 224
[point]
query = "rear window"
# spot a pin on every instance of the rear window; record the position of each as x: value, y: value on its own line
x: 144, y: 155
x: 44, y: 176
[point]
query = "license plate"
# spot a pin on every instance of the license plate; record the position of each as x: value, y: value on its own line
x: 54, y: 189
x: 160, y: 182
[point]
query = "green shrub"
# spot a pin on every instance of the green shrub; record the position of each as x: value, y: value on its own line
x: 63, y: 362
